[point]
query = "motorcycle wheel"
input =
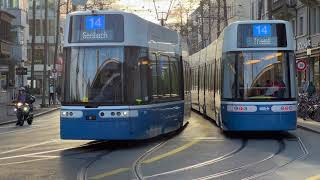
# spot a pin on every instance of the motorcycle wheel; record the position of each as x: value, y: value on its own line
x: 29, y: 121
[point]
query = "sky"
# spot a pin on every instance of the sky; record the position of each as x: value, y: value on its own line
x: 146, y: 9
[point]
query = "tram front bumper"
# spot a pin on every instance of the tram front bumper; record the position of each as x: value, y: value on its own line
x: 259, y: 122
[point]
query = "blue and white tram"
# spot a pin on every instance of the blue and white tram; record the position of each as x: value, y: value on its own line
x: 123, y: 78
x: 245, y: 80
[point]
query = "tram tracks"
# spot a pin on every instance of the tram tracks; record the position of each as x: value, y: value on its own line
x: 206, y: 163
x: 136, y: 169
x: 282, y: 147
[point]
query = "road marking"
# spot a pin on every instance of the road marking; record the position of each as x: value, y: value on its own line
x: 43, y: 156
x: 110, y: 173
x: 317, y: 177
x: 22, y: 162
x: 37, y: 153
x: 170, y: 153
x: 29, y: 146
x: 156, y: 158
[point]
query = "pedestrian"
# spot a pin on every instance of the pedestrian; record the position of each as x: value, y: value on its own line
x: 51, y: 94
x: 304, y: 85
x: 58, y: 90
x: 311, y: 89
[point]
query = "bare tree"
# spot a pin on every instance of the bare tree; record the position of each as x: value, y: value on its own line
x: 225, y: 13
x: 218, y: 17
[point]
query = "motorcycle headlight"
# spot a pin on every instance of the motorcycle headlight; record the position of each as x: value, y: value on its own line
x: 19, y: 104
x: 25, y: 109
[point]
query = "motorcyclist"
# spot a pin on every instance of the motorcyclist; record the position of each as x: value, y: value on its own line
x: 25, y: 97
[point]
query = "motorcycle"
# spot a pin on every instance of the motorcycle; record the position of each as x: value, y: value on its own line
x: 23, y: 112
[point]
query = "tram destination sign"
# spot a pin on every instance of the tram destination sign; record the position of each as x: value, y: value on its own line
x: 97, y: 28
x: 261, y: 35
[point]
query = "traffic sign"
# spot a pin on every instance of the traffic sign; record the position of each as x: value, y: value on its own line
x: 21, y: 71
x: 301, y: 65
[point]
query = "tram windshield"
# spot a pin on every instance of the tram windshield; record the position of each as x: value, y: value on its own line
x: 258, y: 75
x: 119, y: 76
x: 94, y: 74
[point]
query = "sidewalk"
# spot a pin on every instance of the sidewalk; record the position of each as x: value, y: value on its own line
x: 7, y: 114
x: 309, y: 125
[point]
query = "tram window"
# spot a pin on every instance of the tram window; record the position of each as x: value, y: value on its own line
x: 229, y: 75
x: 175, y: 77
x: 164, y: 77
x: 138, y: 74
x: 154, y: 66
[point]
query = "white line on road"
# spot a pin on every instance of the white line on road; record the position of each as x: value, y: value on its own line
x: 22, y: 162
x: 29, y: 146
x: 37, y: 153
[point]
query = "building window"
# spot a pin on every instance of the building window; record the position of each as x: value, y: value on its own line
x: 38, y: 27
x: 301, y: 25
x: 30, y: 27
x: 318, y: 20
x: 13, y: 4
x: 52, y: 28
x: 252, y: 10
x: 314, y: 22
x: 294, y: 27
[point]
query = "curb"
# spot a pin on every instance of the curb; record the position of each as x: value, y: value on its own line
x: 307, y: 128
x: 35, y: 115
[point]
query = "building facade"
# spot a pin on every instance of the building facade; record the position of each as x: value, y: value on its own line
x: 39, y: 40
x: 205, y: 24
x: 305, y: 19
x: 19, y: 33
x: 7, y: 63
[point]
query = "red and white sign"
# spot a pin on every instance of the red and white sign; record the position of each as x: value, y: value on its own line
x: 284, y: 108
x: 301, y: 65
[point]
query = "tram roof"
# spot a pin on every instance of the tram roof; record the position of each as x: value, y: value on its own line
x: 137, y: 32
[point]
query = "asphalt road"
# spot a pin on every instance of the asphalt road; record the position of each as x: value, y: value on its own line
x: 201, y: 151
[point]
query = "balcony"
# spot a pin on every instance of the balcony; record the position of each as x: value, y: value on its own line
x: 5, y: 48
x: 311, y: 2
x: 283, y: 9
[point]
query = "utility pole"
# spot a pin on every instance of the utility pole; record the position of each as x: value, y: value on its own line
x: 45, y: 34
x: 259, y: 9
x: 210, y: 29
x: 56, y: 48
x: 218, y: 18
x: 269, y: 7
x: 33, y: 41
